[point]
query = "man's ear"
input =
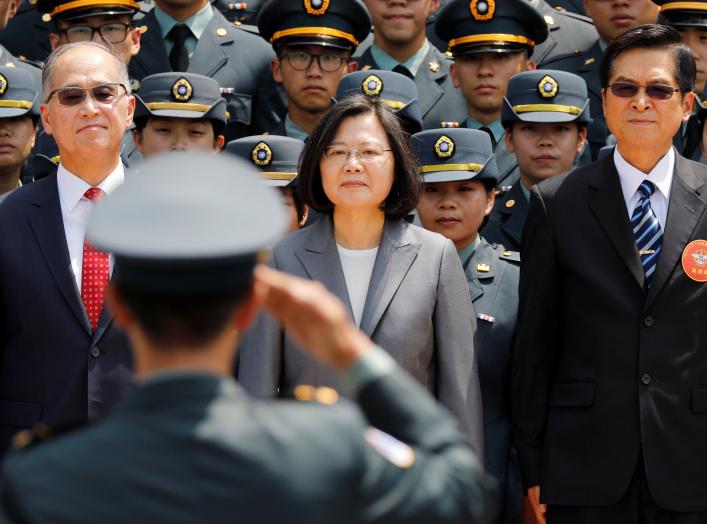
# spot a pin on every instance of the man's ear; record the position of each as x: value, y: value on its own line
x: 582, y: 138
x: 453, y: 73
x: 44, y: 111
x: 131, y: 112
x: 275, y: 68
x: 54, y: 41
x: 14, y: 6
x: 219, y: 143
x: 137, y: 138
x: 135, y: 35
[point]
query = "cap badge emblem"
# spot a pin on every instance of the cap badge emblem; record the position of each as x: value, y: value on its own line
x: 548, y: 87
x: 3, y: 85
x: 316, y: 7
x: 372, y: 86
x: 182, y: 90
x: 261, y: 154
x: 444, y: 147
x: 482, y: 10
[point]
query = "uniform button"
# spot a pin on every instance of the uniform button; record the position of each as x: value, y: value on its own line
x: 95, y: 352
x: 646, y: 379
x: 648, y: 321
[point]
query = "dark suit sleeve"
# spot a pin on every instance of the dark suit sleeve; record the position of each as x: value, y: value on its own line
x: 536, y: 337
x: 445, y: 484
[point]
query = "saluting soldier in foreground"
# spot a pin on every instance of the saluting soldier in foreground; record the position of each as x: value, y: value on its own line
x: 190, y: 446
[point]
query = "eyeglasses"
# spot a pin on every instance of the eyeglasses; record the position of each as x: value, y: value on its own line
x: 301, y: 60
x: 366, y: 155
x: 112, y: 32
x: 654, y: 91
x: 102, y: 93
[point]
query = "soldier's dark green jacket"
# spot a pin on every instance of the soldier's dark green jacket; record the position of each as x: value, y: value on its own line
x: 567, y: 33
x: 195, y: 448
x: 506, y: 222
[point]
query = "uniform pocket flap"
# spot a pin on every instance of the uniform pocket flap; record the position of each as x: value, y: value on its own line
x: 20, y: 413
x: 572, y: 394
x: 699, y: 400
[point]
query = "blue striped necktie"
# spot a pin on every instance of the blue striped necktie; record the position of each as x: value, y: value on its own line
x: 647, y: 231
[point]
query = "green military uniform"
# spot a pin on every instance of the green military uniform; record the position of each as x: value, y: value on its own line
x: 452, y: 155
x: 193, y: 447
x: 567, y: 32
x: 26, y: 34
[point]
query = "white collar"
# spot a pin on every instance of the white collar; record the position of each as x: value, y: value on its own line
x: 661, y: 175
x: 72, y: 188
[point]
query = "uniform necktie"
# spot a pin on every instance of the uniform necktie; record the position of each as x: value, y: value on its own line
x: 179, y: 56
x: 402, y: 70
x: 647, y: 231
x: 94, y: 273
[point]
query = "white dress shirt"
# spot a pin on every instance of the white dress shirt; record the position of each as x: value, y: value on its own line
x: 76, y: 209
x: 661, y: 176
x: 357, y: 265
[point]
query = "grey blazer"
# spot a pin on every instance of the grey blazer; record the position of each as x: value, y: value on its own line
x: 417, y: 308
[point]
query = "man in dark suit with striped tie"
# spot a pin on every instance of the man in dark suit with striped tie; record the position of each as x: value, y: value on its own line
x: 610, y: 355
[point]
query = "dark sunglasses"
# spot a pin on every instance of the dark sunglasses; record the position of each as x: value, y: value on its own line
x: 654, y: 91
x: 102, y: 93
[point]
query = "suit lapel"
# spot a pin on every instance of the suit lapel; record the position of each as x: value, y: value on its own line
x: 396, y: 254
x: 153, y: 55
x: 48, y: 228
x: 321, y: 261
x: 208, y: 56
x: 608, y: 205
x: 685, y: 208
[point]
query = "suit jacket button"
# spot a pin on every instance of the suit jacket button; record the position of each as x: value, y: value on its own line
x: 646, y: 379
x: 648, y: 321
x: 95, y: 352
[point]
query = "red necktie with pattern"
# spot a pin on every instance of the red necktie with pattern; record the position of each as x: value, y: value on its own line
x: 94, y: 273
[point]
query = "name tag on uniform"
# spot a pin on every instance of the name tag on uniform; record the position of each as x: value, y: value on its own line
x: 487, y: 318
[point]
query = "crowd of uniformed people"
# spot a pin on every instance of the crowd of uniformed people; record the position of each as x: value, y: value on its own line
x: 403, y: 138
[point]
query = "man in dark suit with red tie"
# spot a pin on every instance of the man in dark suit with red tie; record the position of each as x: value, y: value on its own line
x: 61, y: 358
x: 610, y: 353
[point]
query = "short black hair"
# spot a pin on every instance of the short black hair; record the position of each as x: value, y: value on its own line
x: 407, y: 183
x: 140, y: 123
x: 181, y: 319
x: 652, y: 36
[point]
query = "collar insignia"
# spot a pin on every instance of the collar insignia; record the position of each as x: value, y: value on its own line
x: 548, y: 87
x: 261, y: 154
x: 182, y: 90
x: 444, y: 147
x: 434, y: 66
x: 482, y: 10
x: 372, y: 85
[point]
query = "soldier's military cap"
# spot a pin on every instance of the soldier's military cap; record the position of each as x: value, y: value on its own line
x: 181, y: 95
x: 483, y: 26
x: 393, y: 89
x: 73, y: 9
x: 176, y: 233
x: 449, y: 155
x: 274, y: 158
x: 19, y: 93
x: 682, y: 14
x: 545, y: 95
x: 336, y: 23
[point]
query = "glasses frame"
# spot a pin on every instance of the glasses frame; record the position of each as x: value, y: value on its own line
x: 646, y: 88
x: 95, y: 30
x: 355, y: 152
x: 344, y: 59
x: 85, y: 89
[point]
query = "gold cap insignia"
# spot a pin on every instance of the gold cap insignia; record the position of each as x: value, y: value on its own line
x: 182, y: 90
x: 482, y: 10
x: 510, y: 203
x: 444, y: 147
x: 3, y: 85
x: 548, y: 87
x: 372, y: 85
x: 316, y: 7
x: 261, y: 154
x: 434, y: 66
x: 221, y: 31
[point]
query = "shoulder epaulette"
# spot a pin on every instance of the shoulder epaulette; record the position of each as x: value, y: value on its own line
x: 510, y: 256
x: 27, y: 61
x: 252, y: 29
x: 576, y: 53
x: 576, y: 16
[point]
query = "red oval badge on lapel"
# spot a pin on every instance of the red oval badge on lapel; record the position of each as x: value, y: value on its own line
x: 694, y: 260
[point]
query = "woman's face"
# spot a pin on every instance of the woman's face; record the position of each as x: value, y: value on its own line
x: 360, y: 181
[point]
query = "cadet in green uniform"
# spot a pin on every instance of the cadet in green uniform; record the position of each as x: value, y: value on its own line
x: 190, y: 446
x: 19, y: 113
x: 400, y: 44
x: 460, y: 175
x: 395, y: 90
x: 491, y: 41
x: 276, y: 160
x: 26, y: 34
x: 314, y: 41
x: 179, y: 112
x: 545, y: 114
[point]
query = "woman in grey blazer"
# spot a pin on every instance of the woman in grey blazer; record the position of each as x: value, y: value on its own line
x: 404, y: 286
